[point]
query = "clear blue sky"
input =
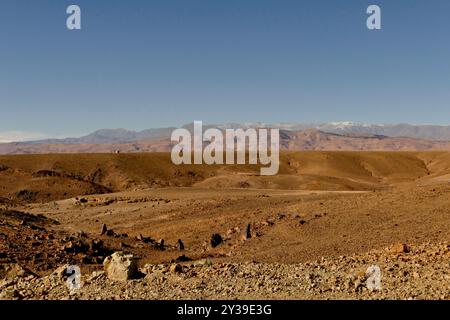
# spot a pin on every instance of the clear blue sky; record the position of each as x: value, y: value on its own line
x: 141, y: 64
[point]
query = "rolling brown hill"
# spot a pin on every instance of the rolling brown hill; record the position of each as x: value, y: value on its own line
x: 43, y: 178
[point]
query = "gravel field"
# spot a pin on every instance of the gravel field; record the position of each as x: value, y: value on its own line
x: 421, y: 272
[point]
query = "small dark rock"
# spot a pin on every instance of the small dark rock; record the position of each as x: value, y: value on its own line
x: 182, y: 258
x: 104, y: 229
x: 97, y: 247
x: 180, y: 245
x: 216, y: 239
x: 176, y: 268
x: 247, y: 233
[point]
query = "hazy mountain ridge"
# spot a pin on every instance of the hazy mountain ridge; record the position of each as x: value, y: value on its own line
x: 311, y: 140
x: 111, y: 136
x: 349, y: 136
x: 429, y: 132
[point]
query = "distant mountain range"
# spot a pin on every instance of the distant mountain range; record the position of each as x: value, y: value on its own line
x: 429, y: 132
x: 293, y: 136
x: 111, y: 136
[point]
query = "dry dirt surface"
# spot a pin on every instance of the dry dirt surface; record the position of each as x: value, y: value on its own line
x: 217, y: 232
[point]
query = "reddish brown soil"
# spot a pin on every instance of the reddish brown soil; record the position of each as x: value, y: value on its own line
x: 321, y: 204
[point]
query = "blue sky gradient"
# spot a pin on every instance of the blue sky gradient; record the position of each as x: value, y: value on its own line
x: 141, y: 64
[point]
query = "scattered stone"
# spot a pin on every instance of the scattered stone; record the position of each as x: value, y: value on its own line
x: 216, y: 239
x: 121, y: 267
x: 14, y: 271
x: 123, y: 245
x: 10, y: 294
x: 281, y: 216
x: 95, y: 275
x: 422, y: 274
x: 203, y: 262
x: 176, y: 268
x: 76, y: 246
x: 180, y: 245
x: 399, y: 248
x: 247, y: 233
x: 81, y: 234
x: 104, y: 229
x: 97, y: 247
x: 267, y: 223
x: 182, y: 258
x: 140, y: 237
x: 160, y: 244
x: 60, y: 275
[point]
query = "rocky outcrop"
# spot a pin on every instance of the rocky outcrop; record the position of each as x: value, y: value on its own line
x: 121, y: 267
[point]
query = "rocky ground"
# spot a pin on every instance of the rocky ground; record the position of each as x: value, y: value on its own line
x: 420, y: 272
x: 312, y: 232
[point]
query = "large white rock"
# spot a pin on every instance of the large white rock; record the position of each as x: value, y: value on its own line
x: 121, y: 267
